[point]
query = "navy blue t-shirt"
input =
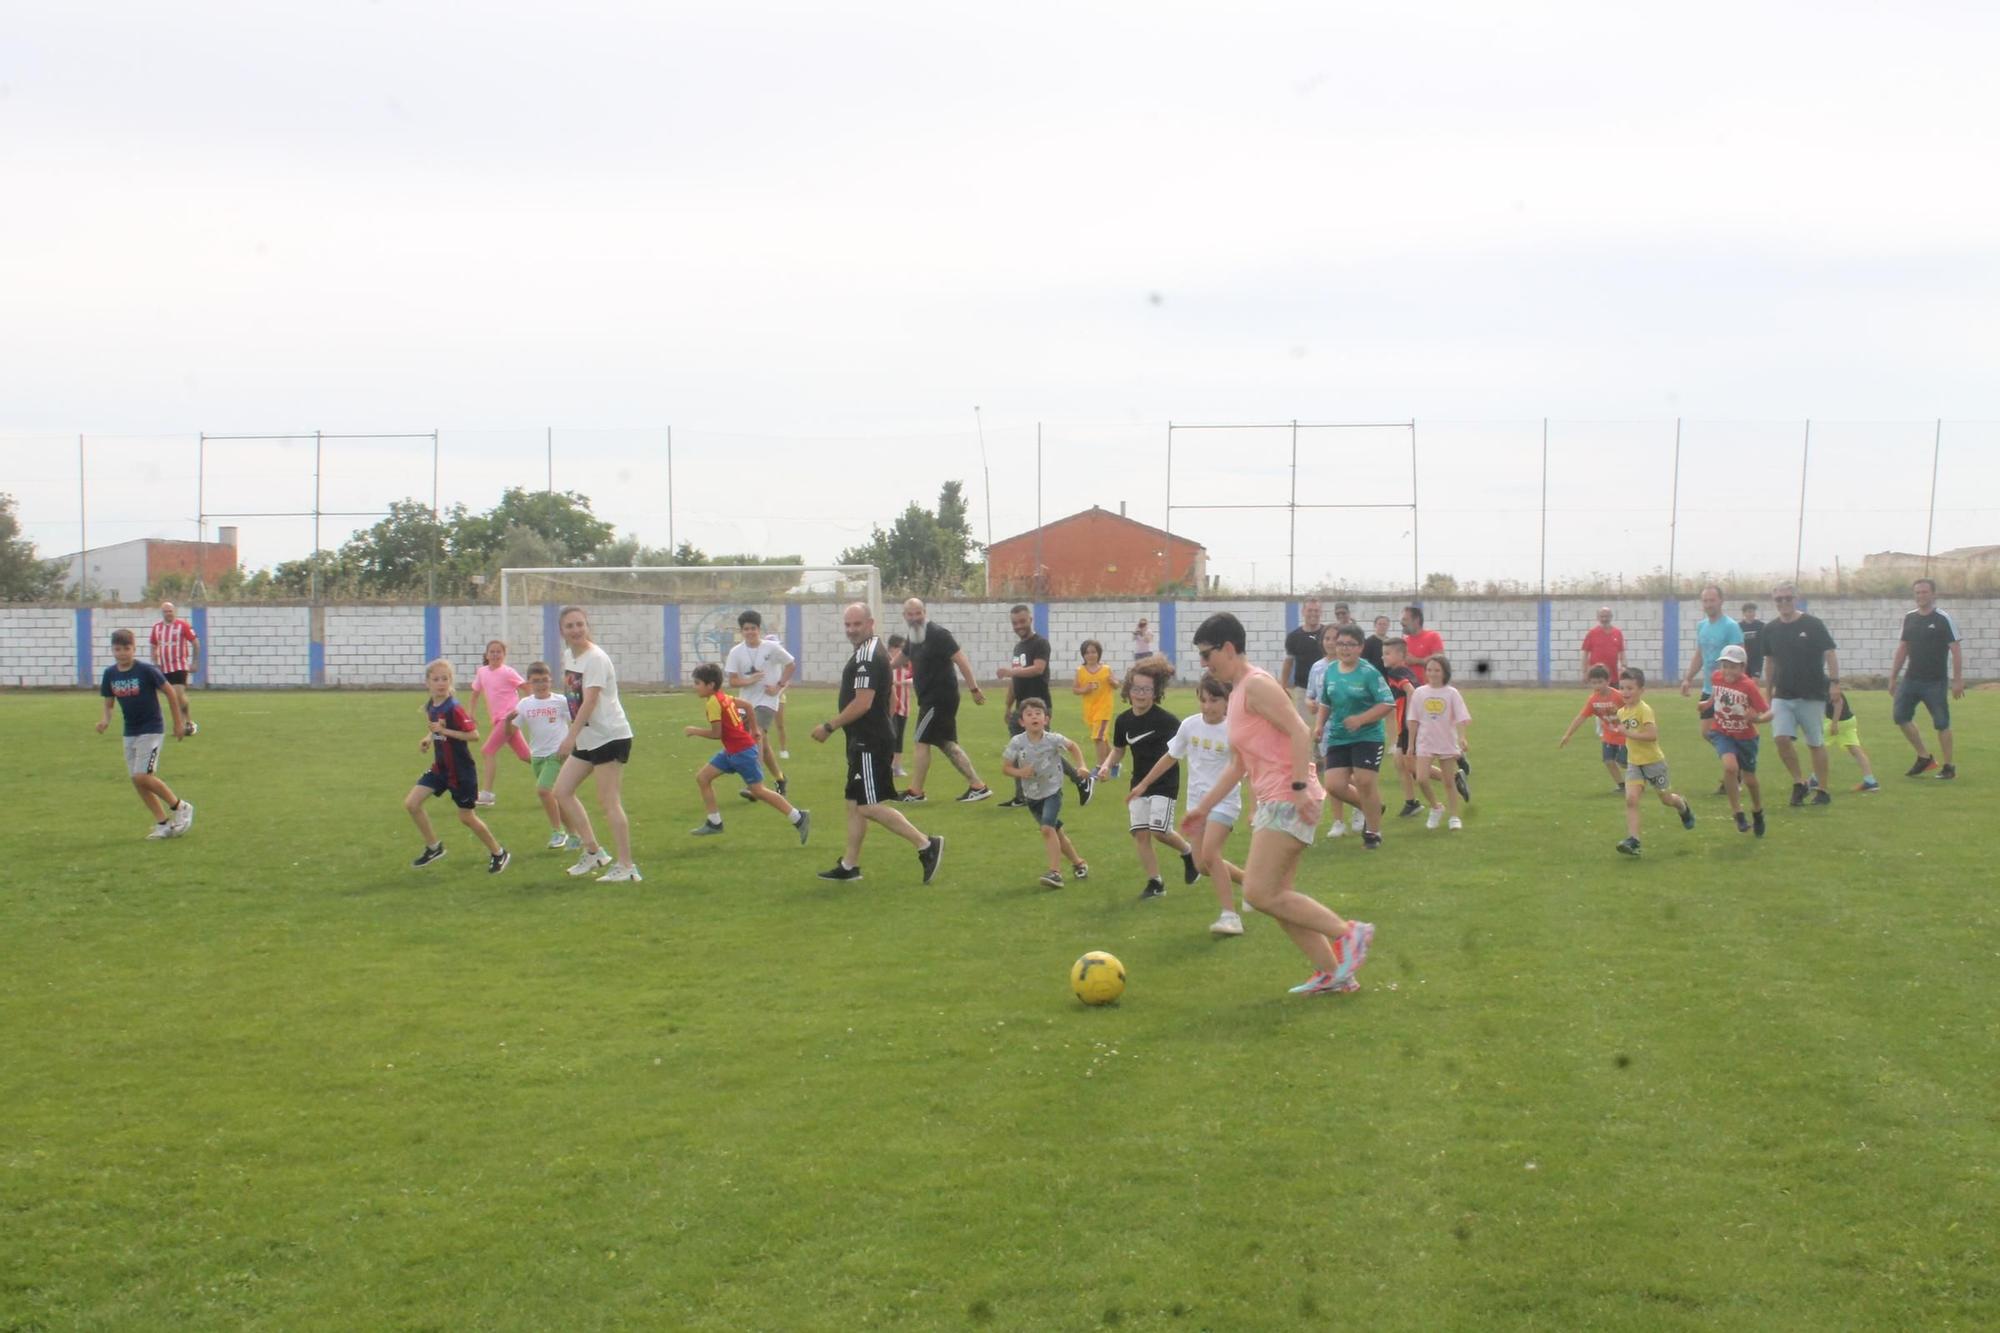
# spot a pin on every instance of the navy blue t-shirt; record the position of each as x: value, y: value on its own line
x: 137, y: 690
x: 451, y: 757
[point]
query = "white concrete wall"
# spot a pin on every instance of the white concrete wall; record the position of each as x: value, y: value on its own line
x: 38, y: 645
x: 257, y: 646
x: 375, y: 645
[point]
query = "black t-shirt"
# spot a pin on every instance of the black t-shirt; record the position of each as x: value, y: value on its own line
x: 932, y: 673
x: 1930, y: 638
x: 1147, y: 738
x: 1846, y: 708
x: 1027, y: 652
x: 1371, y: 651
x: 1798, y: 648
x: 1753, y: 646
x: 868, y: 669
x: 137, y: 690
x: 1304, y: 646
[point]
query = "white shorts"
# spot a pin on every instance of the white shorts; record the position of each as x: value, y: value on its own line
x: 1226, y: 811
x: 1151, y: 812
x: 1284, y: 817
x: 142, y: 753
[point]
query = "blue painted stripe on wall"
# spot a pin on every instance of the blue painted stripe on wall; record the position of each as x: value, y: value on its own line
x: 1042, y: 619
x: 1670, y: 634
x: 1544, y: 619
x: 1169, y: 638
x: 795, y: 637
x: 670, y: 643
x: 198, y: 617
x: 552, y: 636
x: 316, y: 661
x: 83, y: 646
x: 1292, y: 616
x: 433, y: 633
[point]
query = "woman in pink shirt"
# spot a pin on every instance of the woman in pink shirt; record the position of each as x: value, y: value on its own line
x: 500, y: 685
x: 1270, y: 744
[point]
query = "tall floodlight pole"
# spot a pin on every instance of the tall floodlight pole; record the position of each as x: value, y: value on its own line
x: 1292, y: 545
x: 318, y: 440
x: 670, y: 490
x: 1416, y: 556
x: 986, y: 476
x: 1674, y: 510
x: 1930, y: 520
x: 1805, y: 460
x: 1545, y: 506
x: 82, y: 522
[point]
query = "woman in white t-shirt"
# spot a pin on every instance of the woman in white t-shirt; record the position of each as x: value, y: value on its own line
x: 598, y: 744
x: 1202, y: 744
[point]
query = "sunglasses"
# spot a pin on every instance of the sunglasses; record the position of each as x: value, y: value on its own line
x: 1202, y: 651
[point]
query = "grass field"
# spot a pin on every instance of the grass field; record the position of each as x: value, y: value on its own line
x: 267, y: 1076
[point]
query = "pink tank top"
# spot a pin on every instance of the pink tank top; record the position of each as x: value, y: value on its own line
x: 1266, y: 750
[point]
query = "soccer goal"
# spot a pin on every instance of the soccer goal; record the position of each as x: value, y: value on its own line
x: 657, y: 622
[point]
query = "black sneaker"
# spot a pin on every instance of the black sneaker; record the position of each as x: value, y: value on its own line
x: 1948, y: 772
x: 1371, y: 841
x: 912, y: 798
x: 1687, y: 813
x: 430, y: 854
x: 1629, y: 847
x: 1190, y: 872
x: 929, y: 857
x: 1464, y: 787
x: 745, y: 794
x: 1154, y: 889
x: 972, y: 794
x: 1742, y: 822
x: 1409, y: 808
x: 1798, y: 793
x: 841, y: 870
x: 781, y: 787
x: 1465, y: 765
x: 499, y: 861
x: 1085, y: 789
x: 1822, y: 798
x: 1925, y: 763
x: 1757, y: 822
x: 1012, y: 803
x: 1722, y: 789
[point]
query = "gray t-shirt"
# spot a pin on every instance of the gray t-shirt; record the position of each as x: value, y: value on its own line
x: 1044, y: 756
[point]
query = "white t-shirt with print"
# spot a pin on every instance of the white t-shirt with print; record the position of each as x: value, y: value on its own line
x: 543, y: 721
x: 769, y: 657
x: 1203, y: 749
x: 607, y: 722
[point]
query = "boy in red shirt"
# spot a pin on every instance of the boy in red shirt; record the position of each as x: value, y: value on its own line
x: 734, y: 725
x: 1603, y: 704
x: 1739, y: 707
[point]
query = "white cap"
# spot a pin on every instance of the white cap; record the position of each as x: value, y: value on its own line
x: 1734, y: 653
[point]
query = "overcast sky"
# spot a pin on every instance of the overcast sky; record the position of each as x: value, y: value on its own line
x: 811, y: 238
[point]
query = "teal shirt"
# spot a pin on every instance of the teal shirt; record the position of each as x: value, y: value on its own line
x: 1346, y: 693
x: 1711, y: 637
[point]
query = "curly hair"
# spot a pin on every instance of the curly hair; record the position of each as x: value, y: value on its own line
x: 1156, y: 669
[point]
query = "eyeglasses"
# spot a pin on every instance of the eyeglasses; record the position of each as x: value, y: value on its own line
x: 1782, y: 597
x: 1203, y: 651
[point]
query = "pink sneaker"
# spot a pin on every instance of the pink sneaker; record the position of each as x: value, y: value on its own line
x: 1354, y: 950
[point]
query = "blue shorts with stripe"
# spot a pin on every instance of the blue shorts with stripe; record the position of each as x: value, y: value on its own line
x: 743, y: 764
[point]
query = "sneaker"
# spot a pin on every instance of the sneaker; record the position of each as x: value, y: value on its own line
x: 1867, y: 785
x: 804, y: 826
x: 1948, y: 772
x: 841, y: 870
x: 183, y: 818
x: 484, y: 798
x: 1822, y: 798
x: 165, y: 829
x: 590, y: 862
x: 1190, y: 872
x: 1722, y: 789
x: 1081, y: 870
x: 1052, y: 880
x: 1338, y: 830
x: 914, y: 798
x: 1465, y: 765
x: 1757, y: 822
x: 784, y: 754
x: 1742, y: 822
x: 558, y: 840
x: 1812, y: 782
x: 708, y: 828
x: 1354, y: 951
x: 1687, y: 812
x: 1227, y: 924
x: 970, y: 795
x: 1319, y: 983
x: 1085, y: 789
x: 1371, y: 842
x: 745, y: 794
x: 1464, y: 787
x: 431, y: 854
x: 572, y: 843
x: 1409, y: 808
x: 1154, y: 889
x: 1357, y: 821
x: 930, y: 856
x: 1798, y: 793
x: 1629, y: 847
x: 1925, y: 763
x: 1454, y: 824
x: 1116, y: 769
x: 1013, y: 803
x: 499, y: 861
x: 1435, y: 817
x: 621, y: 875
x: 784, y: 787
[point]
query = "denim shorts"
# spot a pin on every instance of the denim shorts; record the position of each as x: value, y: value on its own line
x: 1800, y: 719
x: 1934, y: 696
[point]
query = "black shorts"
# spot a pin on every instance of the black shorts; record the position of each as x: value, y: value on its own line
x: 937, y: 724
x: 871, y: 776
x: 1356, y: 754
x: 176, y: 677
x: 611, y: 752
x: 464, y: 793
x: 900, y: 722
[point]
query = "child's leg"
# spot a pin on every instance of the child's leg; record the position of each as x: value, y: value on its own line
x: 489, y: 764
x: 145, y: 784
x: 519, y: 745
x: 1673, y: 800
x: 1149, y: 861
x: 1450, y: 787
x: 1052, y: 843
x: 414, y: 803
x: 610, y: 795
x: 1406, y: 767
x: 471, y: 819
x: 1756, y: 793
x: 1423, y: 768
x: 1861, y: 758
x: 574, y: 773
x: 1617, y: 773
x: 1220, y: 872
x: 1174, y: 840
x: 1732, y: 781
x: 770, y: 798
x: 1068, y: 848
x: 783, y: 744
x: 1632, y: 790
x: 550, y: 808
x: 705, y: 779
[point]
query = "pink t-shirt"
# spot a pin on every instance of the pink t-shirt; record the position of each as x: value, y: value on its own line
x: 1266, y: 750
x: 1436, y: 711
x: 501, y: 688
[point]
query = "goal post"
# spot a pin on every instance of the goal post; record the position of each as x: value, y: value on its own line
x: 658, y: 621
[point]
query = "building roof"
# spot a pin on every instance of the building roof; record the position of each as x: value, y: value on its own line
x: 1101, y: 512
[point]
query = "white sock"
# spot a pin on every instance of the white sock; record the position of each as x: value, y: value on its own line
x: 796, y: 815
x: 716, y: 818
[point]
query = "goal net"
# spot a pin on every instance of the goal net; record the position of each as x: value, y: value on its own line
x: 658, y: 622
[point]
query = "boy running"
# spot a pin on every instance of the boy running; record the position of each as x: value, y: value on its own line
x: 1402, y: 682
x: 1602, y: 704
x: 543, y: 718
x: 761, y: 668
x: 1203, y: 744
x: 1645, y: 761
x: 1145, y: 728
x: 1035, y: 757
x: 452, y: 732
x: 1315, y: 682
x: 138, y: 687
x: 738, y: 755
x: 1738, y: 706
x: 1353, y: 700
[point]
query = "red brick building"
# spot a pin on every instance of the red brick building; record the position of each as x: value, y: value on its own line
x: 1095, y: 553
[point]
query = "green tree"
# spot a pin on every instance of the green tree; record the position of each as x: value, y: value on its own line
x: 924, y: 552
x: 24, y: 576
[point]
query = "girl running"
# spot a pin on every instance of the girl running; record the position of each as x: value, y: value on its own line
x: 598, y: 744
x: 500, y: 685
x: 1099, y: 691
x: 1439, y: 718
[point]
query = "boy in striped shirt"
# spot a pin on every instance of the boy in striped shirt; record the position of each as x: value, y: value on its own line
x: 175, y: 648
x: 901, y: 673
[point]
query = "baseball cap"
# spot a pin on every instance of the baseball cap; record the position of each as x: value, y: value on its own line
x: 1734, y: 653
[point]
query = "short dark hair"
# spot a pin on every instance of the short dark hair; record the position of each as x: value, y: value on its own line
x: 1038, y: 703
x: 1212, y: 686
x: 1443, y: 662
x: 121, y: 638
x: 1635, y: 675
x: 708, y: 673
x: 539, y: 669
x: 750, y: 618
x: 1927, y: 582
x: 1396, y: 641
x: 1350, y: 631
x: 1749, y: 606
x: 898, y: 641
x: 1018, y: 607
x: 1219, y: 629
x: 1414, y: 610
x: 1598, y: 671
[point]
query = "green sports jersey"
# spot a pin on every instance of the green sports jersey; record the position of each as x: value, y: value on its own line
x: 1346, y: 693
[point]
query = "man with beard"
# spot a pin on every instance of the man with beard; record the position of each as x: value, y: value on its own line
x: 936, y: 663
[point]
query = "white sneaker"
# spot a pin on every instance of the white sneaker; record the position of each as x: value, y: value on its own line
x: 1456, y: 823
x: 1435, y: 817
x: 183, y: 819
x: 621, y: 875
x: 784, y: 754
x: 1339, y: 827
x: 484, y: 798
x: 558, y: 840
x: 591, y: 861
x: 1227, y: 924
x: 160, y: 830
x: 1357, y: 821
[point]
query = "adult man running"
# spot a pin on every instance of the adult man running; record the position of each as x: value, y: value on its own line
x: 1929, y: 636
x: 1303, y: 647
x: 871, y: 750
x: 1270, y: 743
x: 1801, y: 669
x: 936, y: 663
x: 175, y: 650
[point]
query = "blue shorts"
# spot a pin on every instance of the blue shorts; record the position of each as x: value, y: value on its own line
x: 1047, y: 810
x: 743, y: 764
x: 464, y: 792
x: 1745, y: 749
x: 1934, y: 696
x: 1613, y: 754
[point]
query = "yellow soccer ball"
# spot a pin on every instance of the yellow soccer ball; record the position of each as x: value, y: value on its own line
x: 1097, y: 978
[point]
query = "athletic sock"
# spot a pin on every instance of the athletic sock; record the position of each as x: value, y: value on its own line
x: 716, y: 819
x: 796, y: 815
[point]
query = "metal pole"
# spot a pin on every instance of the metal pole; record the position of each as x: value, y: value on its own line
x: 550, y: 438
x: 986, y: 474
x: 1416, y: 557
x: 1167, y: 554
x: 1035, y: 575
x: 1674, y: 513
x: 82, y: 523
x: 1545, y: 506
x: 317, y: 458
x: 437, y: 534
x: 1805, y: 457
x: 1930, y: 522
x: 200, y: 508
x: 1292, y: 548
x: 670, y: 490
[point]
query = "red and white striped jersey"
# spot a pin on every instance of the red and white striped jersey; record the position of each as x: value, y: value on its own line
x: 899, y: 694
x: 173, y: 645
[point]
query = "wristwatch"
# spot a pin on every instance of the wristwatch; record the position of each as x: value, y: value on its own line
x: 1298, y: 786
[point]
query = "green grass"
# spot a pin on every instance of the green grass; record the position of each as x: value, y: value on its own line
x: 269, y: 1077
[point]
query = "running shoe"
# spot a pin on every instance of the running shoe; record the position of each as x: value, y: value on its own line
x: 183, y: 819
x: 1154, y: 889
x: 930, y: 856
x: 784, y: 787
x: 1190, y: 872
x: 1687, y: 812
x: 590, y: 862
x: 1822, y: 798
x: 1867, y: 785
x: 432, y: 853
x: 558, y: 840
x: 1435, y: 817
x: 1371, y: 841
x: 970, y: 795
x: 1081, y: 870
x: 499, y: 861
x: 1925, y: 763
x: 745, y: 794
x: 1630, y: 847
x: 1798, y: 793
x: 1339, y: 829
x: 621, y: 875
x: 841, y: 871
x: 1227, y: 924
x: 165, y: 829
x: 1948, y: 772
x: 1052, y: 880
x: 914, y: 798
x: 1354, y: 950
x: 572, y: 842
x: 1013, y: 803
x: 706, y: 829
x: 1410, y: 808
x: 1086, y: 787
x: 1458, y: 780
x: 483, y: 799
x: 1356, y: 820
x: 1116, y: 769
x: 1757, y: 822
x: 1453, y: 824
x: 804, y: 826
x: 1319, y: 983
x: 784, y: 754
x: 1742, y: 822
